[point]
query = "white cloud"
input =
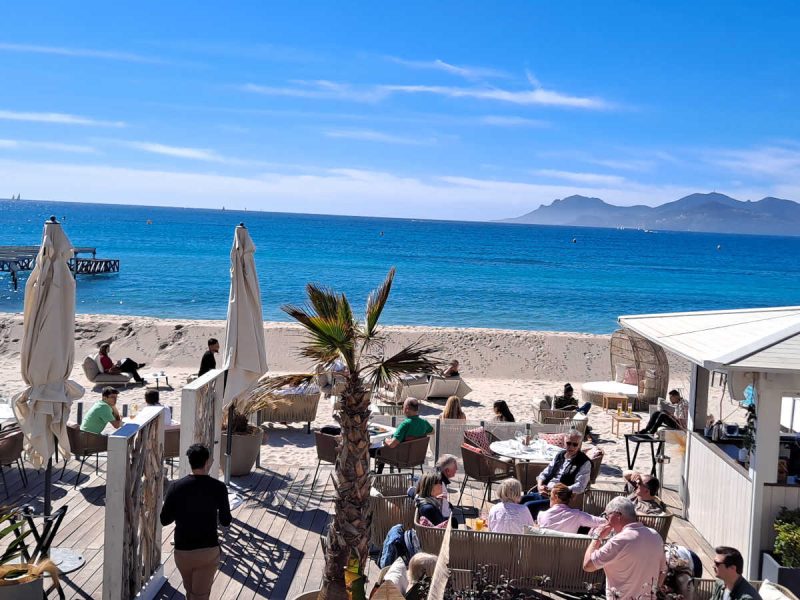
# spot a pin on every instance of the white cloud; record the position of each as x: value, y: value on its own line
x: 324, y: 89
x: 467, y: 72
x: 578, y: 177
x: 369, y: 135
x: 79, y: 52
x: 780, y: 162
x: 176, y: 151
x: 507, y: 121
x: 58, y: 118
x: 56, y: 146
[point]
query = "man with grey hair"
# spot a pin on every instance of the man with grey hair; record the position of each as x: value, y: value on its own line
x: 570, y: 466
x: 447, y: 465
x: 633, y: 560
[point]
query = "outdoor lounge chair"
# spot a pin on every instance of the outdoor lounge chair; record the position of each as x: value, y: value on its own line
x: 293, y: 406
x: 483, y: 468
x: 390, y: 505
x: 11, y: 443
x: 408, y: 454
x: 84, y: 444
x: 172, y: 446
x: 444, y: 387
x: 93, y: 374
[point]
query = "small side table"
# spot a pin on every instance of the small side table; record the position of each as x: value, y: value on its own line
x: 158, y: 377
x: 635, y: 421
x: 617, y: 399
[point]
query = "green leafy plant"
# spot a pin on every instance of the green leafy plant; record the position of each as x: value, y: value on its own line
x: 16, y: 529
x: 485, y: 587
x: 787, y: 538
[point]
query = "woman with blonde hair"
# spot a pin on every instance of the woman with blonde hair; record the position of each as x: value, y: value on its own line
x: 508, y: 515
x: 452, y: 409
x: 560, y: 517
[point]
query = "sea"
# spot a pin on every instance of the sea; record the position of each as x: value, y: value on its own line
x: 175, y: 263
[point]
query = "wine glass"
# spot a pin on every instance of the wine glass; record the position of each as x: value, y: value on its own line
x: 520, y: 437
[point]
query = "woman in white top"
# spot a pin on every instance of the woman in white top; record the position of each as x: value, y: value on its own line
x: 508, y: 516
x: 560, y: 517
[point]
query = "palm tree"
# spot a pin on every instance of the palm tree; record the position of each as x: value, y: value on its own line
x: 333, y: 333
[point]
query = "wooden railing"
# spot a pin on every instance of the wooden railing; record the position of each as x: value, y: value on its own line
x: 132, y: 565
x: 201, y: 418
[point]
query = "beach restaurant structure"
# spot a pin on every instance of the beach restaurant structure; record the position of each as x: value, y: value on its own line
x: 734, y: 503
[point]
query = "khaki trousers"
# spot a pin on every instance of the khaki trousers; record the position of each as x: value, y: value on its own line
x: 197, y: 568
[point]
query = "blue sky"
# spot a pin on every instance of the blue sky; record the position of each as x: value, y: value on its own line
x: 460, y: 110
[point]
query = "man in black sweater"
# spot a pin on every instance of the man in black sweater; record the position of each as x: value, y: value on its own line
x: 194, y: 504
x: 208, y: 361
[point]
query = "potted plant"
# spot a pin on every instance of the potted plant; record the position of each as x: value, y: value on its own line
x: 334, y: 334
x: 749, y: 440
x: 19, y: 580
x: 246, y: 442
x: 783, y: 566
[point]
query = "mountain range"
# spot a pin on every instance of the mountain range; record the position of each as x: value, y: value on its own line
x: 711, y: 212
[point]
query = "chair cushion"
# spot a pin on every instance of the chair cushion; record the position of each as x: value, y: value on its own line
x: 631, y: 376
x: 90, y: 368
x: 768, y: 591
x: 619, y: 372
x: 479, y: 438
x: 556, y: 439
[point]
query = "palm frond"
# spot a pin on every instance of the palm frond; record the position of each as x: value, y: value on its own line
x: 416, y: 358
x: 375, y: 303
x: 323, y: 300
x: 326, y: 336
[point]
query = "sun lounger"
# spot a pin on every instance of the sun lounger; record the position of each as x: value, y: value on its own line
x: 93, y: 374
x: 444, y: 387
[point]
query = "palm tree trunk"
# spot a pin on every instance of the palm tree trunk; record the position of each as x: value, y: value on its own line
x: 349, y: 530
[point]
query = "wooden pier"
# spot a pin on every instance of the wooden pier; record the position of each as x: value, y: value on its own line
x: 14, y: 259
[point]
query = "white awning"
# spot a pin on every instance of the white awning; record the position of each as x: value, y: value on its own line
x: 762, y: 339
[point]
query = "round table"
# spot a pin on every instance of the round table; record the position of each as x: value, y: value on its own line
x: 376, y: 439
x: 537, y: 452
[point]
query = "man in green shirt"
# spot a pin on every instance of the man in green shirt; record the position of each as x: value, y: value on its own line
x: 102, y: 413
x: 411, y: 428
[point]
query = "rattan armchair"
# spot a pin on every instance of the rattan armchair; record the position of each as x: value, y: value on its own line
x: 527, y: 472
x: 84, y: 444
x: 326, y: 451
x: 484, y: 468
x: 390, y: 505
x: 11, y: 443
x: 408, y: 454
x: 172, y: 446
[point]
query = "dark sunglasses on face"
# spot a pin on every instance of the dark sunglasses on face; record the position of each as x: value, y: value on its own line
x: 720, y: 563
x: 573, y: 444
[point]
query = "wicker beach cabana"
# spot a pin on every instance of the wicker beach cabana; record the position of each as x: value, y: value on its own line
x: 640, y: 370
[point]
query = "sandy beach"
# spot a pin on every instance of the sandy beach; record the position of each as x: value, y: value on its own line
x: 519, y: 367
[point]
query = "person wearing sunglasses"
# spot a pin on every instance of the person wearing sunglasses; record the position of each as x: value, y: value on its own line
x: 570, y: 466
x: 633, y: 560
x: 728, y: 565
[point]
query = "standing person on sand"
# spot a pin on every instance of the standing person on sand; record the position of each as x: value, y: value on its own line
x: 194, y: 504
x: 208, y: 361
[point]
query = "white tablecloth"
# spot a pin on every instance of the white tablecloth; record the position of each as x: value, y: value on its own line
x: 376, y: 439
x: 537, y: 452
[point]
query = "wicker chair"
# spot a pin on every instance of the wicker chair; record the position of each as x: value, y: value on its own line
x: 326, y: 451
x: 393, y: 506
x: 11, y: 443
x: 84, y: 444
x: 172, y: 446
x: 661, y: 523
x: 527, y: 472
x: 597, y: 462
x: 293, y: 408
x: 595, y: 502
x: 483, y: 468
x: 408, y: 454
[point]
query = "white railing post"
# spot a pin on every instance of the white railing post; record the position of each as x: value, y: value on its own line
x: 201, y: 418
x: 132, y: 562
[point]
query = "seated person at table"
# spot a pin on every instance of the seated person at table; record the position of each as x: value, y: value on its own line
x: 508, y: 515
x: 560, y: 517
x: 451, y: 370
x: 568, y: 401
x: 411, y: 428
x: 671, y: 415
x: 209, y: 362
x: 502, y: 412
x: 571, y: 467
x: 128, y: 366
x: 152, y: 398
x: 644, y: 494
x: 429, y: 498
x: 452, y: 409
x: 102, y: 413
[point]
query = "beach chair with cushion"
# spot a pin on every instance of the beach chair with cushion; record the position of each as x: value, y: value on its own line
x: 408, y: 454
x: 444, y: 387
x: 93, y: 374
x: 484, y: 468
x: 84, y: 444
x: 11, y: 443
x: 293, y: 405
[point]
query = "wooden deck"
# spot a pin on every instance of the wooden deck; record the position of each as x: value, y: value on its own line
x: 272, y: 549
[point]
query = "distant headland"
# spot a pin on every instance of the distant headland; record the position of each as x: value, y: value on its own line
x: 713, y: 212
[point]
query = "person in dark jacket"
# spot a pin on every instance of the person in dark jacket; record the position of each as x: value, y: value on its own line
x: 195, y: 504
x: 728, y: 566
x: 430, y: 495
x: 571, y: 467
x: 209, y: 361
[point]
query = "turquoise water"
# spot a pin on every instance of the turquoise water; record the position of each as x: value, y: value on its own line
x: 448, y: 273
